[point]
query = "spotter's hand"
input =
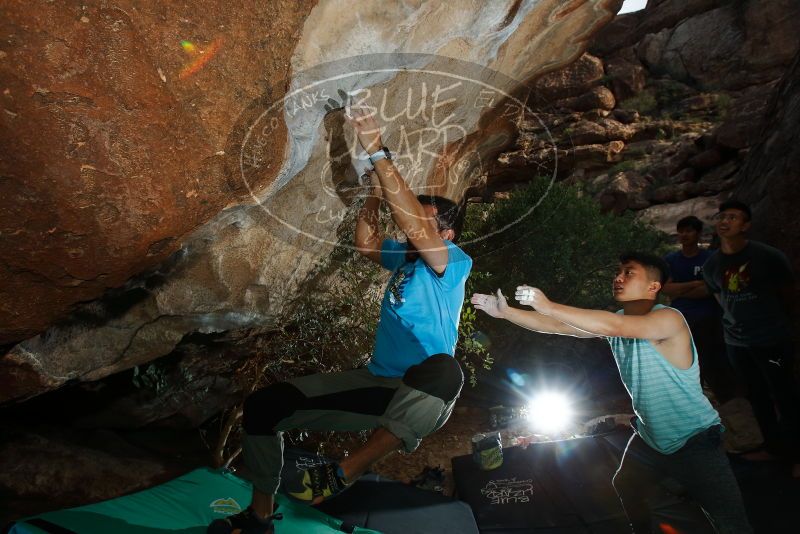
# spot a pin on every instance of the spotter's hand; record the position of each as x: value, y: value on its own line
x: 535, y: 298
x: 493, y: 305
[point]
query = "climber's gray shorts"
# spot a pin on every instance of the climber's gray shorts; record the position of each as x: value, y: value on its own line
x: 410, y: 407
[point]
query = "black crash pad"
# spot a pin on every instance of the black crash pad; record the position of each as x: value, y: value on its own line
x: 391, y: 507
x: 561, y: 487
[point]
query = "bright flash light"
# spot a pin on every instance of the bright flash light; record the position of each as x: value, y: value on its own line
x: 549, y: 412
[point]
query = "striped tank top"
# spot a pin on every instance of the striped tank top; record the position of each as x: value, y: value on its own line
x: 669, y: 403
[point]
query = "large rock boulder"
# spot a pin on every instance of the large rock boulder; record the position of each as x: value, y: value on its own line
x: 573, y: 80
x: 598, y: 97
x: 586, y: 133
x: 626, y: 75
x: 730, y: 47
x: 744, y: 118
x: 770, y: 174
x: 209, y: 177
x: 626, y: 190
x: 114, y: 148
x: 665, y: 216
x: 42, y: 472
x: 630, y: 28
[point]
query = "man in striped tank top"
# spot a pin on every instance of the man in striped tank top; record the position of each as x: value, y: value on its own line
x: 677, y: 431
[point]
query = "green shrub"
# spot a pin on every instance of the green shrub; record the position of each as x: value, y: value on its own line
x: 645, y: 103
x: 556, y: 240
x: 669, y: 92
x: 471, y: 351
x: 622, y: 166
x: 723, y: 105
x: 331, y: 326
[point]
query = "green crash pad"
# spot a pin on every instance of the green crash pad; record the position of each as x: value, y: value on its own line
x: 185, y: 505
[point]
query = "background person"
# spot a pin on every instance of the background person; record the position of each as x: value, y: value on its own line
x: 754, y: 284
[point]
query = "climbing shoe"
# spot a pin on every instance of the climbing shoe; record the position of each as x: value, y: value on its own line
x: 316, y: 484
x: 431, y: 478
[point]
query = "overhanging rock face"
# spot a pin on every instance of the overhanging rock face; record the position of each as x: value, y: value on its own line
x: 221, y: 165
x: 114, y: 137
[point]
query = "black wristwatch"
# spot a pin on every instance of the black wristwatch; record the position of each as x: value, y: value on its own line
x: 382, y: 153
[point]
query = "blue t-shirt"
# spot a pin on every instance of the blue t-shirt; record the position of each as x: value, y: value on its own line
x: 684, y: 269
x: 420, y: 309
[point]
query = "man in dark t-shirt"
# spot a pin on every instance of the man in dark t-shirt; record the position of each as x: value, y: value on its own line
x: 689, y: 295
x: 754, y: 284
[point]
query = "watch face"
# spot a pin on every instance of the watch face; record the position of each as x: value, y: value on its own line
x: 388, y: 154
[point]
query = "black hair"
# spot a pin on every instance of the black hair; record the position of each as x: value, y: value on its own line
x: 652, y: 263
x: 692, y: 222
x: 733, y: 204
x: 447, y: 211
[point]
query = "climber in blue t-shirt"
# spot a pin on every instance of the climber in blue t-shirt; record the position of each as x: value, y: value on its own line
x: 420, y: 308
x: 409, y: 388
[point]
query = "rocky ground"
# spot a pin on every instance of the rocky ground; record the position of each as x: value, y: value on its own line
x: 85, y: 467
x: 41, y: 470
